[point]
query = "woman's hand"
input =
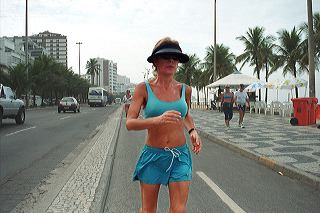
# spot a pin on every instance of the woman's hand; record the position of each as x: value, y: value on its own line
x: 196, y: 142
x: 169, y: 117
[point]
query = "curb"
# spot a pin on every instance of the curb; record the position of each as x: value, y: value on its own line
x: 101, y: 195
x: 280, y: 168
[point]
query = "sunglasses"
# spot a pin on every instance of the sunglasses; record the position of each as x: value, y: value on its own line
x: 169, y: 57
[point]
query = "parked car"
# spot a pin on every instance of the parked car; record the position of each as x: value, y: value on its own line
x: 68, y: 104
x: 10, y: 106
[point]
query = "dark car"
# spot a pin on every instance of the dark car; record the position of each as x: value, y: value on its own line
x: 68, y: 104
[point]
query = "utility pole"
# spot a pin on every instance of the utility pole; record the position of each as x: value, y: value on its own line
x: 311, y: 47
x: 147, y: 72
x: 215, y: 43
x: 79, y: 43
x: 26, y: 52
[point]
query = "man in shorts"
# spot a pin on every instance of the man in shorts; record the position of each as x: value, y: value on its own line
x: 241, y: 99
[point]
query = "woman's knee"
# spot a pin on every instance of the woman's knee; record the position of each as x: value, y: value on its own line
x: 148, y: 209
x: 178, y: 209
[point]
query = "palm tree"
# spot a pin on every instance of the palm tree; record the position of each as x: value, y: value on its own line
x: 267, y: 59
x: 316, y: 35
x: 188, y: 72
x: 253, y: 42
x: 185, y: 71
x: 196, y: 82
x: 290, y: 52
x: 92, y: 68
x: 4, y: 77
x: 225, y: 62
x: 18, y: 79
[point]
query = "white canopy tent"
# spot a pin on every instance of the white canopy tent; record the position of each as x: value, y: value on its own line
x: 234, y: 79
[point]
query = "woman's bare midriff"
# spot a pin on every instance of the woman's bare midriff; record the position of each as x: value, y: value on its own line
x: 166, y: 136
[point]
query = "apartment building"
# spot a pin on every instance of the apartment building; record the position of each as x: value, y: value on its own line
x: 12, y: 51
x: 55, y: 44
x: 107, y: 75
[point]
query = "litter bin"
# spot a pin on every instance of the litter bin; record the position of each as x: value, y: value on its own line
x: 313, y: 110
x: 318, y: 115
x: 301, y: 111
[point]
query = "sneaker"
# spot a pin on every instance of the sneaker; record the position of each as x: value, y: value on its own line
x: 242, y: 126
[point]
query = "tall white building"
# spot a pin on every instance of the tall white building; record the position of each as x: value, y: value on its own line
x: 12, y: 51
x: 123, y: 83
x: 107, y: 75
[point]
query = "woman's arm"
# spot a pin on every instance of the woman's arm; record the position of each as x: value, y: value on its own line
x: 222, y: 99
x: 134, y: 122
x: 189, y: 125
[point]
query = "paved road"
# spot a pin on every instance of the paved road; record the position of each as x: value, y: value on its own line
x: 30, y: 152
x: 224, y: 181
x: 218, y: 174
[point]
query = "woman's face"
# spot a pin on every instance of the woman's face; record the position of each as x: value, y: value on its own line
x: 166, y: 64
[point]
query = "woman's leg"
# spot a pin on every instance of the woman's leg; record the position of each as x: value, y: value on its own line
x: 149, y: 197
x: 178, y: 196
x: 240, y: 116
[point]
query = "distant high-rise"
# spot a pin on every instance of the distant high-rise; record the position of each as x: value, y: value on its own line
x: 55, y: 44
x: 107, y: 76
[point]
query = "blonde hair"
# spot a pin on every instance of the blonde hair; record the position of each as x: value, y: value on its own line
x: 166, y: 41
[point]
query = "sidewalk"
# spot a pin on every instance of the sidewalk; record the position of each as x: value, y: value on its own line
x: 292, y: 151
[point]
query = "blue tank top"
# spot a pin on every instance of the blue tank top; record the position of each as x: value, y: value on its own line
x: 155, y: 107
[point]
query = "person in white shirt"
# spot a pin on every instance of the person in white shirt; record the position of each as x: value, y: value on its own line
x: 241, y: 100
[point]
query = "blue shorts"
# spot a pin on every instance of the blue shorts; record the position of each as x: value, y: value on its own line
x: 242, y: 107
x: 163, y: 165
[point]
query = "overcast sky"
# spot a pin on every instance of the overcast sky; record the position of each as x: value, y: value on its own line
x: 125, y: 31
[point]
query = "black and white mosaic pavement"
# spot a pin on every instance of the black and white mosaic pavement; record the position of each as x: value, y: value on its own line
x: 271, y: 136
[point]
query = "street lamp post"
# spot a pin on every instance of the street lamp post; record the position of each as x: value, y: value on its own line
x: 215, y: 43
x: 311, y: 46
x: 79, y: 43
x: 147, y: 72
x: 99, y: 70
x: 26, y: 52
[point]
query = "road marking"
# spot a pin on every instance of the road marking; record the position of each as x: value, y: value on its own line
x: 13, y: 133
x: 65, y: 117
x: 224, y: 197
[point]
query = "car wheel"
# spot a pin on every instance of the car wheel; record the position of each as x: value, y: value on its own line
x: 64, y: 111
x: 20, y: 117
x: 59, y: 110
x: 79, y: 110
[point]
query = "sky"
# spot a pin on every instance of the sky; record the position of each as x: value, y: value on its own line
x: 125, y: 31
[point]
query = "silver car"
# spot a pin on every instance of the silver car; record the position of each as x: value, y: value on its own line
x: 68, y: 104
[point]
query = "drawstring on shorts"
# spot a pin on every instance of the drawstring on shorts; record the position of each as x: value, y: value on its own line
x: 175, y: 154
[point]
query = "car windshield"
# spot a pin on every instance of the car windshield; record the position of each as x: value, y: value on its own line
x: 95, y: 92
x: 67, y: 99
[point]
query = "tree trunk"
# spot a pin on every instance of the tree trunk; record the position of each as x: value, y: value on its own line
x: 267, y: 76
x: 295, y: 75
x: 198, y: 98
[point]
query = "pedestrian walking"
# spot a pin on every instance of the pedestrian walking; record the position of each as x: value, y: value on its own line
x: 241, y: 100
x: 127, y: 98
x: 165, y: 159
x: 227, y: 99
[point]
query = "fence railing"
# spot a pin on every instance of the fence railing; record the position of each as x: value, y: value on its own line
x: 201, y: 105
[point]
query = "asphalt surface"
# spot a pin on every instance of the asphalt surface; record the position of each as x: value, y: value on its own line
x: 99, y: 179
